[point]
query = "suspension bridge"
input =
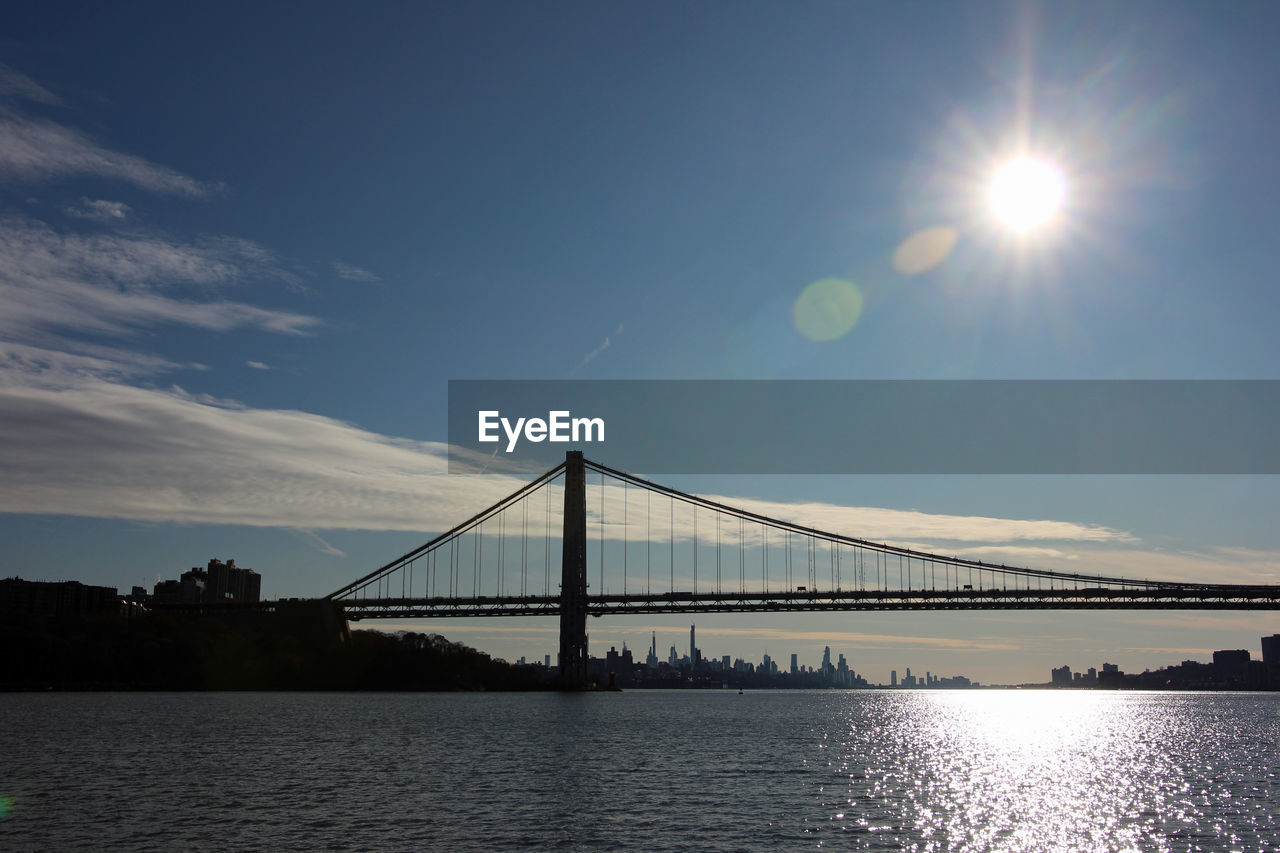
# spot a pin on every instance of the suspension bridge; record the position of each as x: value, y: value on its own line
x: 649, y: 548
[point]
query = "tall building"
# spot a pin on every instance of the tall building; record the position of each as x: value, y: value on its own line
x: 1271, y: 660
x: 1271, y: 650
x: 218, y: 581
x: 652, y: 660
x: 893, y: 678
x: 693, y: 648
x: 794, y: 664
x: 243, y: 584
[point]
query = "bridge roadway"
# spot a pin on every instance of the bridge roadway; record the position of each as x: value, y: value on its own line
x: 1172, y: 597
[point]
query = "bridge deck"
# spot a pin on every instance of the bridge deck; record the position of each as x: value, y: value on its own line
x: 1174, y: 598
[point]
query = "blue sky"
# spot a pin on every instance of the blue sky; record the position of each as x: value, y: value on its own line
x: 245, y: 248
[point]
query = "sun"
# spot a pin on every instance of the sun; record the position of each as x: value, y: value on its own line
x: 1027, y: 193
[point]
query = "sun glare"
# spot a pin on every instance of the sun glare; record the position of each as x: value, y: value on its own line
x: 1026, y: 193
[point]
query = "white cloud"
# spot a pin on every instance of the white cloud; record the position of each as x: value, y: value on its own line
x: 77, y: 439
x: 258, y: 365
x: 950, y: 535
x: 897, y: 526
x: 99, y: 210
x: 114, y: 282
x: 1211, y: 564
x: 77, y: 443
x: 354, y: 273
x: 33, y: 150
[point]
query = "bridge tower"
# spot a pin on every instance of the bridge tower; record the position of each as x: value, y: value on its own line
x: 573, y: 575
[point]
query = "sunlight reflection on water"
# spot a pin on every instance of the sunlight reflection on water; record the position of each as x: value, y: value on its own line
x: 643, y: 770
x: 1056, y: 770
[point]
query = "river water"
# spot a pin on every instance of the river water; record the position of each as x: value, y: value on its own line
x: 641, y: 770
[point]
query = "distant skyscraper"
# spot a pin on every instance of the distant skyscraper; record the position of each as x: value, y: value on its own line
x: 794, y: 664
x: 893, y: 678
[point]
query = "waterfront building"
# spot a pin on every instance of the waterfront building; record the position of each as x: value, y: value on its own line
x: 56, y: 598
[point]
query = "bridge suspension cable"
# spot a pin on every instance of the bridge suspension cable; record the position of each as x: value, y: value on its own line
x: 781, y: 565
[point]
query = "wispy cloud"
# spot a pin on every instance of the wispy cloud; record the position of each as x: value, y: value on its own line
x: 1017, y: 554
x: 99, y: 210
x: 316, y: 541
x: 604, y: 345
x: 56, y: 368
x: 75, y: 441
x: 354, y: 273
x: 937, y: 532
x: 258, y: 365
x: 15, y: 85
x: 35, y: 149
x: 114, y: 282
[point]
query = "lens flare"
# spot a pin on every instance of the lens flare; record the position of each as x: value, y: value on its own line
x: 827, y: 309
x: 924, y: 250
x: 6, y: 806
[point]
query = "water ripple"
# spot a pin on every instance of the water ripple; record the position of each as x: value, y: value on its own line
x: 651, y: 771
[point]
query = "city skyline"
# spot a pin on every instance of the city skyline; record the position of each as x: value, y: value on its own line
x: 236, y: 277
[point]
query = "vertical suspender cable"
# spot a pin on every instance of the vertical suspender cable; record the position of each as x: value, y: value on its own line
x: 624, y: 537
x: 601, y: 533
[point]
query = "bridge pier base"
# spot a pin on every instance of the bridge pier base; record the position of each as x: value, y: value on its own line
x: 573, y: 576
